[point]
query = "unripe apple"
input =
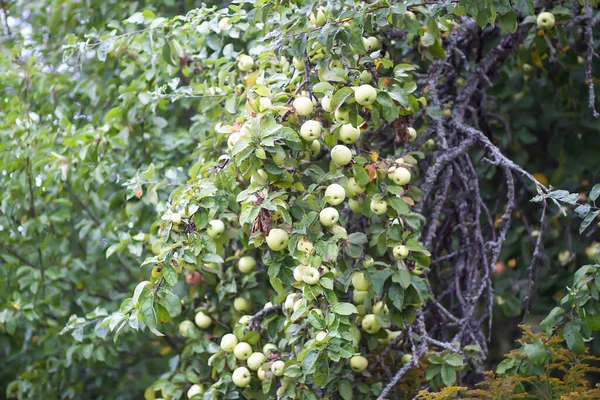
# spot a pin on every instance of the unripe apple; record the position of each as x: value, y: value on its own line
x: 277, y: 239
x: 289, y: 302
x: 303, y: 106
x: 428, y: 145
x: 342, y: 115
x: 278, y: 368
x: 245, y: 63
x: 268, y: 304
x: 400, y: 176
x: 407, y: 358
x: 339, y: 230
x: 256, y: 360
x: 400, y: 251
x: 329, y: 216
x: 315, y: 147
x: 202, y: 320
x: 326, y: 104
x: 242, y: 351
x: 311, y: 130
x: 269, y: 348
x: 176, y: 218
x: 241, y: 377
x: 260, y: 178
x: 241, y: 304
x: 297, y: 305
x: 358, y: 363
x: 336, y: 194
x: 354, y: 205
x: 215, y: 228
x: 362, y: 310
x: 299, y: 272
x: 310, y: 275
x: 321, y: 336
x: 233, y: 139
x: 244, y: 319
x: 228, y: 342
x: 341, y: 155
x: 370, y: 324
x: 298, y: 63
x: 319, y: 18
x: 371, y: 43
x: 546, y: 20
x: 355, y: 187
x: 186, y: 328
x: 418, y: 270
x: 412, y: 133
x: 380, y: 308
x: 194, y: 390
x: 379, y: 207
x: 246, y: 264
x: 410, y: 15
x: 365, y: 95
x: 278, y: 159
x: 358, y: 296
x: 262, y: 374
x: 366, y: 77
x: 349, y: 134
x: 305, y: 246
x: 359, y: 281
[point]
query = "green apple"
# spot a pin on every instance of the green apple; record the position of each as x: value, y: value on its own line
x: 186, y: 328
x: 362, y: 310
x: 299, y: 272
x: 233, y: 139
x: 303, y: 106
x: 241, y: 377
x: 359, y: 281
x: 400, y: 176
x: 366, y: 77
x: 546, y: 20
x: 264, y: 103
x: 256, y: 360
x: 259, y: 178
x: 310, y: 275
x: 246, y: 264
x: 176, y: 218
x: 241, y: 304
x: 305, y: 246
x: 418, y: 270
x: 262, y: 374
x: 336, y: 194
x: 268, y: 304
x: 245, y: 63
x: 202, y: 320
x: 358, y: 296
x: 228, y: 342
x: 370, y: 324
x: 341, y: 155
x: 329, y: 216
x: 315, y: 147
x: 379, y: 207
x: 215, y: 228
x: 368, y: 262
x: 244, y: 319
x: 371, y: 43
x: 365, y: 95
x: 277, y: 239
x: 380, y: 308
x: 336, y: 64
x: 339, y: 230
x: 412, y: 133
x: 355, y: 187
x: 269, y: 348
x: 318, y: 18
x: 355, y: 332
x: 194, y: 390
x: 289, y: 302
x: 278, y: 159
x: 407, y: 358
x: 410, y: 15
x: 278, y: 368
x: 400, y: 251
x: 326, y: 104
x: 321, y: 336
x: 298, y: 63
x: 358, y: 363
x: 354, y: 205
x: 242, y: 351
x: 342, y: 115
x: 349, y: 134
x: 297, y: 305
x: 311, y: 130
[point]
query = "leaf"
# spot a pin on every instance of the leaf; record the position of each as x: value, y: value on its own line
x: 344, y: 309
x: 535, y: 351
x: 588, y: 220
x: 360, y: 175
x: 357, y: 238
x: 573, y: 337
x: 309, y: 361
x: 340, y: 97
x: 454, y: 359
x: 345, y: 389
x: 525, y: 6
x: 148, y: 312
x: 508, y: 22
x: 378, y: 279
x: 396, y: 293
x: 448, y: 375
x: 595, y: 192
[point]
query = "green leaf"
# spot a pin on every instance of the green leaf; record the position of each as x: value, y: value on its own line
x: 454, y: 360
x: 448, y: 375
x: 525, y: 6
x: 340, y: 97
x: 535, y: 351
x: 595, y: 192
x: 588, y: 220
x: 508, y: 22
x: 344, y: 309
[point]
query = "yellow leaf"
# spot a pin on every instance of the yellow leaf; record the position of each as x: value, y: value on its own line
x: 535, y: 58
x: 541, y: 178
x: 374, y: 156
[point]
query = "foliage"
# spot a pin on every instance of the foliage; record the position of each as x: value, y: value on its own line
x: 211, y: 146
